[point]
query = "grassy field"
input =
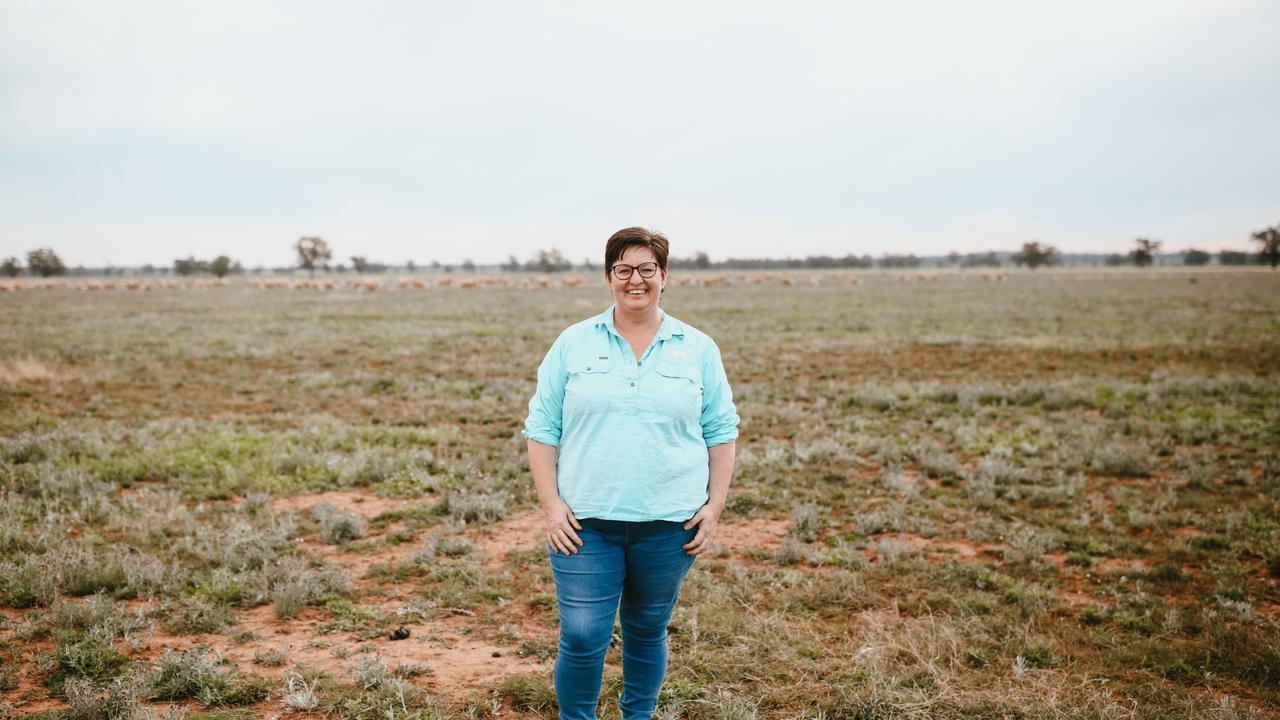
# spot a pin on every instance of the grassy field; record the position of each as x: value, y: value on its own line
x: 1056, y: 496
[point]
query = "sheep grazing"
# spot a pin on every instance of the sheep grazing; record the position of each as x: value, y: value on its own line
x: 572, y: 281
x: 785, y: 279
x: 468, y: 283
x: 815, y: 280
x: 855, y: 280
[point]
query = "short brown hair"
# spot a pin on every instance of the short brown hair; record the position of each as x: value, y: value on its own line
x: 635, y: 237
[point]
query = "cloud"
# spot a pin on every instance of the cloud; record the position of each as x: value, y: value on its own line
x: 908, y: 125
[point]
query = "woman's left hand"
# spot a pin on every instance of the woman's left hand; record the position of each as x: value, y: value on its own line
x: 705, y: 520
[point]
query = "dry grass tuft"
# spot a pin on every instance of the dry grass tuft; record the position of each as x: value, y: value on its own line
x: 26, y: 370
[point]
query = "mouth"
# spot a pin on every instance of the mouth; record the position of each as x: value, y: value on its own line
x: 641, y: 291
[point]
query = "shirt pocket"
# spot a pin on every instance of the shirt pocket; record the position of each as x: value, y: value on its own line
x: 589, y: 388
x: 678, y: 390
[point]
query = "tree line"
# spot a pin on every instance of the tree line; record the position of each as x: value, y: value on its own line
x: 314, y: 253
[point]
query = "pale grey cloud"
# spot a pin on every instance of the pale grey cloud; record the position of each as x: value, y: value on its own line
x: 140, y: 131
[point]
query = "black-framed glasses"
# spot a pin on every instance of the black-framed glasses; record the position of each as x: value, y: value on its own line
x: 622, y: 271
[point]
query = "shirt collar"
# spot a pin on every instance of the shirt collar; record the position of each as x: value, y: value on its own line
x: 669, y: 327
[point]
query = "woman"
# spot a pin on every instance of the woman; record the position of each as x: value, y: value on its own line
x: 631, y: 443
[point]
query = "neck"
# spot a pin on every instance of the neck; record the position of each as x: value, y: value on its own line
x: 625, y: 320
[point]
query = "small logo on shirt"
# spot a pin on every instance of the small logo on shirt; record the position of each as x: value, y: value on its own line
x: 679, y: 354
x: 604, y: 357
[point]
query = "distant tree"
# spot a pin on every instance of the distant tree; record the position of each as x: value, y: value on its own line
x: 468, y: 265
x: 148, y: 269
x: 701, y: 260
x: 435, y: 266
x: 1233, y: 257
x: 221, y: 266
x: 359, y: 263
x: 821, y: 261
x: 1115, y: 259
x: 312, y: 251
x: 1269, y: 242
x: 953, y: 258
x: 1033, y: 255
x: 512, y: 264
x: 410, y: 266
x: 191, y: 266
x: 987, y: 259
x: 548, y: 261
x: 899, y: 261
x: 1192, y: 256
x: 1144, y: 252
x: 10, y: 267
x: 45, y: 262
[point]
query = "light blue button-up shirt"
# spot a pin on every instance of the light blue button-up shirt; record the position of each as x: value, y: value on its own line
x: 633, y: 435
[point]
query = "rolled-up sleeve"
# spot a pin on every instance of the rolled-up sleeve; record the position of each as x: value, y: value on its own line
x: 546, y: 407
x: 719, y: 414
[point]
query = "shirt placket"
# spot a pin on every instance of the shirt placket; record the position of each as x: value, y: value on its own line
x: 633, y: 370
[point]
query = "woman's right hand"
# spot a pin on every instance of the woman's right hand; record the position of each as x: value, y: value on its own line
x: 560, y: 524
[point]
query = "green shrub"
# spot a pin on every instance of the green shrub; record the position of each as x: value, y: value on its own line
x: 807, y: 522
x: 337, y: 527
x: 1038, y: 656
x: 527, y: 694
x: 1168, y: 572
x: 121, y: 700
x: 87, y: 655
x: 196, y: 615
x: 1092, y: 615
x: 28, y: 582
x: 190, y: 674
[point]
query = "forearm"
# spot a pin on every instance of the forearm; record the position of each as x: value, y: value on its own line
x: 542, y: 463
x: 720, y: 466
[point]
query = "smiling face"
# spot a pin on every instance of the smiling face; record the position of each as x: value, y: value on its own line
x: 637, y: 294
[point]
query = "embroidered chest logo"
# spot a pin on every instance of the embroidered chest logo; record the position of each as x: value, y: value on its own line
x: 678, y: 354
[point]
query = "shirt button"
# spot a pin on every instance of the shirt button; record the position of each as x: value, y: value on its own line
x: 633, y: 384
x: 588, y: 368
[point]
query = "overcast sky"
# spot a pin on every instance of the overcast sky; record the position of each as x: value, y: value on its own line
x: 135, y: 132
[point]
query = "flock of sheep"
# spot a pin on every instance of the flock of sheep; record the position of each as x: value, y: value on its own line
x: 370, y: 284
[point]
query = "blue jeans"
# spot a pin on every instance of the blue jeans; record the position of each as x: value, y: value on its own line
x: 641, y: 564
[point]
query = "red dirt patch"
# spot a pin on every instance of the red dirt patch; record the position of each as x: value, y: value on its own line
x: 362, y: 503
x: 962, y: 549
x: 456, y: 664
x: 756, y: 534
x: 520, y: 532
